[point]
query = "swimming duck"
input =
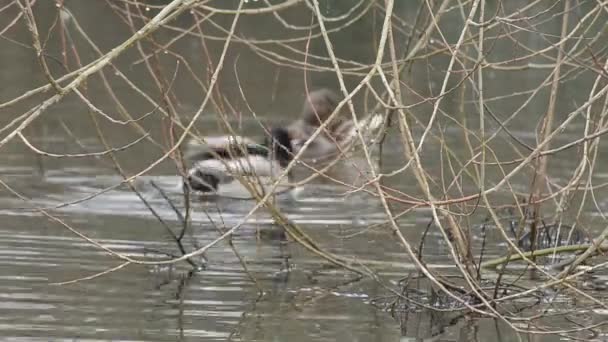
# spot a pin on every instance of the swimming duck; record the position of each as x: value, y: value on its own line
x: 317, y: 108
x: 333, y: 145
x: 223, y: 158
x: 220, y: 159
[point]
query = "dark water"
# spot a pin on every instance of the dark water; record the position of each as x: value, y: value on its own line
x: 285, y: 293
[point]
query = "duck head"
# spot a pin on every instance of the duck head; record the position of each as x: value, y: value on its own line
x: 317, y: 108
x: 198, y: 180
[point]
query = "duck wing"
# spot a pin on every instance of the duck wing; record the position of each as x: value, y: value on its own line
x: 225, y: 147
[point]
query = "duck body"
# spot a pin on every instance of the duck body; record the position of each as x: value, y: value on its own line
x: 222, y: 159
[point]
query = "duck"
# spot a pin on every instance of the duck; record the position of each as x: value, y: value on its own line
x: 331, y: 150
x: 318, y: 106
x: 218, y: 160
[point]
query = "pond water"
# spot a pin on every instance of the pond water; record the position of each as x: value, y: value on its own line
x: 285, y: 293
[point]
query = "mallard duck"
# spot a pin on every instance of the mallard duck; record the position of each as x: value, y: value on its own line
x: 317, y: 108
x: 331, y: 150
x: 221, y: 159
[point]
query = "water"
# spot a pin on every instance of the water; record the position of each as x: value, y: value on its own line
x: 285, y: 293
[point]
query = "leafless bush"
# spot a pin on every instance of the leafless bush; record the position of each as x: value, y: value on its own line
x: 478, y: 51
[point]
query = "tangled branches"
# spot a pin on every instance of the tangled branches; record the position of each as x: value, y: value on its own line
x: 488, y: 107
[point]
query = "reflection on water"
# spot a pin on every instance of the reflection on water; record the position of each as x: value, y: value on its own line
x: 300, y: 299
x: 161, y: 303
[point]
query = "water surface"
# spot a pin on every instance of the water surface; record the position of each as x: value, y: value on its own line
x: 284, y: 293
